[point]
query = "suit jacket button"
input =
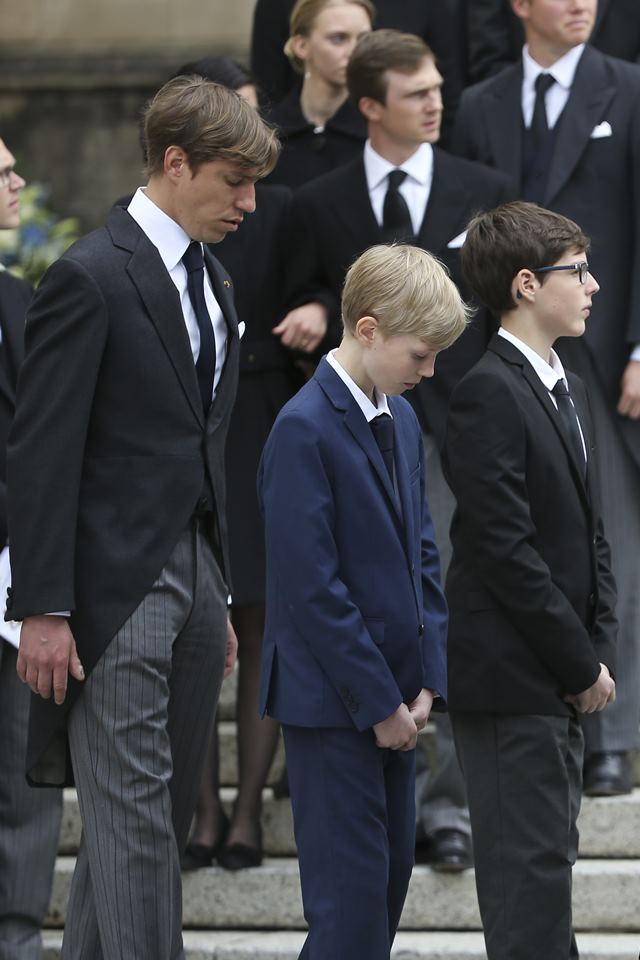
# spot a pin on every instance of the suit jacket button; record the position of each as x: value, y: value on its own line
x: 592, y: 599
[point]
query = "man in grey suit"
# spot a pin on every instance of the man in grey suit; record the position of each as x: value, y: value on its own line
x: 565, y: 123
x: 29, y: 819
x: 116, y: 515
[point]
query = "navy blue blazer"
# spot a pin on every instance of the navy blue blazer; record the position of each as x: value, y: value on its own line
x: 356, y: 619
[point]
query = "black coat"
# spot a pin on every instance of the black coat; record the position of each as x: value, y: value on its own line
x: 333, y: 223
x: 15, y: 296
x: 433, y: 20
x: 109, y: 449
x: 495, y: 34
x: 530, y: 591
x: 594, y: 181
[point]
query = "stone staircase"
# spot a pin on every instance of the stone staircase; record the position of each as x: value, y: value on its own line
x: 257, y: 914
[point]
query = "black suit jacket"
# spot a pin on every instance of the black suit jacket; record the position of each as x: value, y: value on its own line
x: 594, y: 181
x: 495, y: 34
x: 333, y: 223
x: 15, y: 295
x: 433, y: 20
x: 530, y: 591
x: 109, y: 449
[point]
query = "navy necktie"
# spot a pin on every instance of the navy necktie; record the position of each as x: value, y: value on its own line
x: 206, y: 362
x: 539, y: 124
x: 396, y: 219
x: 569, y: 419
x: 382, y: 427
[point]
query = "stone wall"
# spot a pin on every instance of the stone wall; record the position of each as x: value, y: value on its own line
x: 74, y: 75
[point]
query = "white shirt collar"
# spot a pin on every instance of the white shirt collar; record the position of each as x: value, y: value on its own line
x: 550, y: 372
x: 369, y: 409
x: 418, y: 166
x: 163, y: 232
x: 563, y: 70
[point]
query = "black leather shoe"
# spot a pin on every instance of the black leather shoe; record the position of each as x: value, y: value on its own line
x: 198, y: 855
x: 607, y: 774
x: 449, y: 851
x: 241, y: 856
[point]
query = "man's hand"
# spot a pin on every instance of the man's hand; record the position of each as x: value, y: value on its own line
x: 47, y: 656
x: 629, y: 402
x: 303, y: 328
x: 397, y: 732
x: 597, y: 696
x: 421, y: 708
x: 232, y: 650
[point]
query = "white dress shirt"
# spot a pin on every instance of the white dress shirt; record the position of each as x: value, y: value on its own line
x: 563, y: 71
x: 415, y: 188
x: 549, y: 373
x: 369, y: 409
x: 171, y: 242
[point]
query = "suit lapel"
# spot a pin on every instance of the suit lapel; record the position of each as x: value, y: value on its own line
x: 503, y: 119
x: 222, y: 290
x: 352, y: 207
x: 591, y: 93
x: 448, y: 201
x: 402, y: 476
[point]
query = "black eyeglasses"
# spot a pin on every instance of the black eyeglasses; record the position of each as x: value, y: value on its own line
x: 582, y: 269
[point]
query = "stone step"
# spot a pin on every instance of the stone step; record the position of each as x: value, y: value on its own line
x: 609, y: 826
x: 606, y: 895
x: 268, y: 945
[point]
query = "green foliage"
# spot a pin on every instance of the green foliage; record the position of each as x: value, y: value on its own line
x: 41, y: 238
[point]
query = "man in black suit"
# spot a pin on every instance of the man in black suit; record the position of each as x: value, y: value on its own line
x: 394, y: 81
x: 530, y: 591
x: 29, y: 819
x: 495, y: 35
x: 116, y: 515
x: 565, y: 124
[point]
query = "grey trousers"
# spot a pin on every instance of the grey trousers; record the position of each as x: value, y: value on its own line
x: 137, y: 736
x: 616, y: 728
x: 29, y: 825
x: 524, y: 784
x: 440, y: 791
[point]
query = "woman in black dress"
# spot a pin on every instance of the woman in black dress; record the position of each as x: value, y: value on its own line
x: 254, y: 256
x: 319, y: 126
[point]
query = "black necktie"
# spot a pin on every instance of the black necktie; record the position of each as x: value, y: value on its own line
x: 206, y: 362
x: 382, y: 427
x: 569, y: 419
x: 396, y: 219
x: 539, y: 125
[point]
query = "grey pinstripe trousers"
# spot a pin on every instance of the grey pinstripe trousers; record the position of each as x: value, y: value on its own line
x: 137, y: 736
x: 29, y: 825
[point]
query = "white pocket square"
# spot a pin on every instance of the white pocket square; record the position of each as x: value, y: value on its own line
x: 457, y: 241
x: 241, y: 328
x: 601, y: 130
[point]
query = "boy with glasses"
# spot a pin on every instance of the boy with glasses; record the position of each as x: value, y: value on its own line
x: 531, y: 595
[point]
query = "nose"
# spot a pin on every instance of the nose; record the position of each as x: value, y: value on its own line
x: 15, y: 181
x: 428, y: 366
x: 592, y: 284
x: 246, y: 199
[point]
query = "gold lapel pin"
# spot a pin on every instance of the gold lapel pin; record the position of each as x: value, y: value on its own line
x: 227, y: 283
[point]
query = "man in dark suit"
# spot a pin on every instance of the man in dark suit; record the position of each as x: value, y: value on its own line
x: 495, y: 35
x: 29, y: 819
x: 354, y: 646
x: 116, y: 515
x: 565, y: 124
x: 530, y: 591
x: 394, y: 81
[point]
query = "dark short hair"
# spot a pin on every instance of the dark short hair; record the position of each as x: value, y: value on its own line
x: 515, y: 236
x: 225, y: 70
x: 209, y: 122
x: 377, y: 52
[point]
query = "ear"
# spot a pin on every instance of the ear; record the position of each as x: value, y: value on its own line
x: 370, y: 109
x: 366, y: 329
x: 524, y: 285
x: 521, y: 8
x: 175, y: 163
x: 300, y: 46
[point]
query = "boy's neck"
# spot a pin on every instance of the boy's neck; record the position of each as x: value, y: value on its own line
x: 349, y: 356
x: 534, y: 338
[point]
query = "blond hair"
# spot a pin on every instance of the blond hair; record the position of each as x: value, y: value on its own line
x: 303, y: 17
x: 408, y: 291
x: 209, y: 122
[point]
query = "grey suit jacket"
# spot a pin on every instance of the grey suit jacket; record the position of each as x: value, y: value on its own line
x: 109, y: 450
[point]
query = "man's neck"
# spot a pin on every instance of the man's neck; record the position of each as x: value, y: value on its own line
x: 392, y: 151
x: 543, y: 52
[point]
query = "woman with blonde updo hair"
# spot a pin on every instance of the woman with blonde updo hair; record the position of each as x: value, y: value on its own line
x: 319, y: 126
